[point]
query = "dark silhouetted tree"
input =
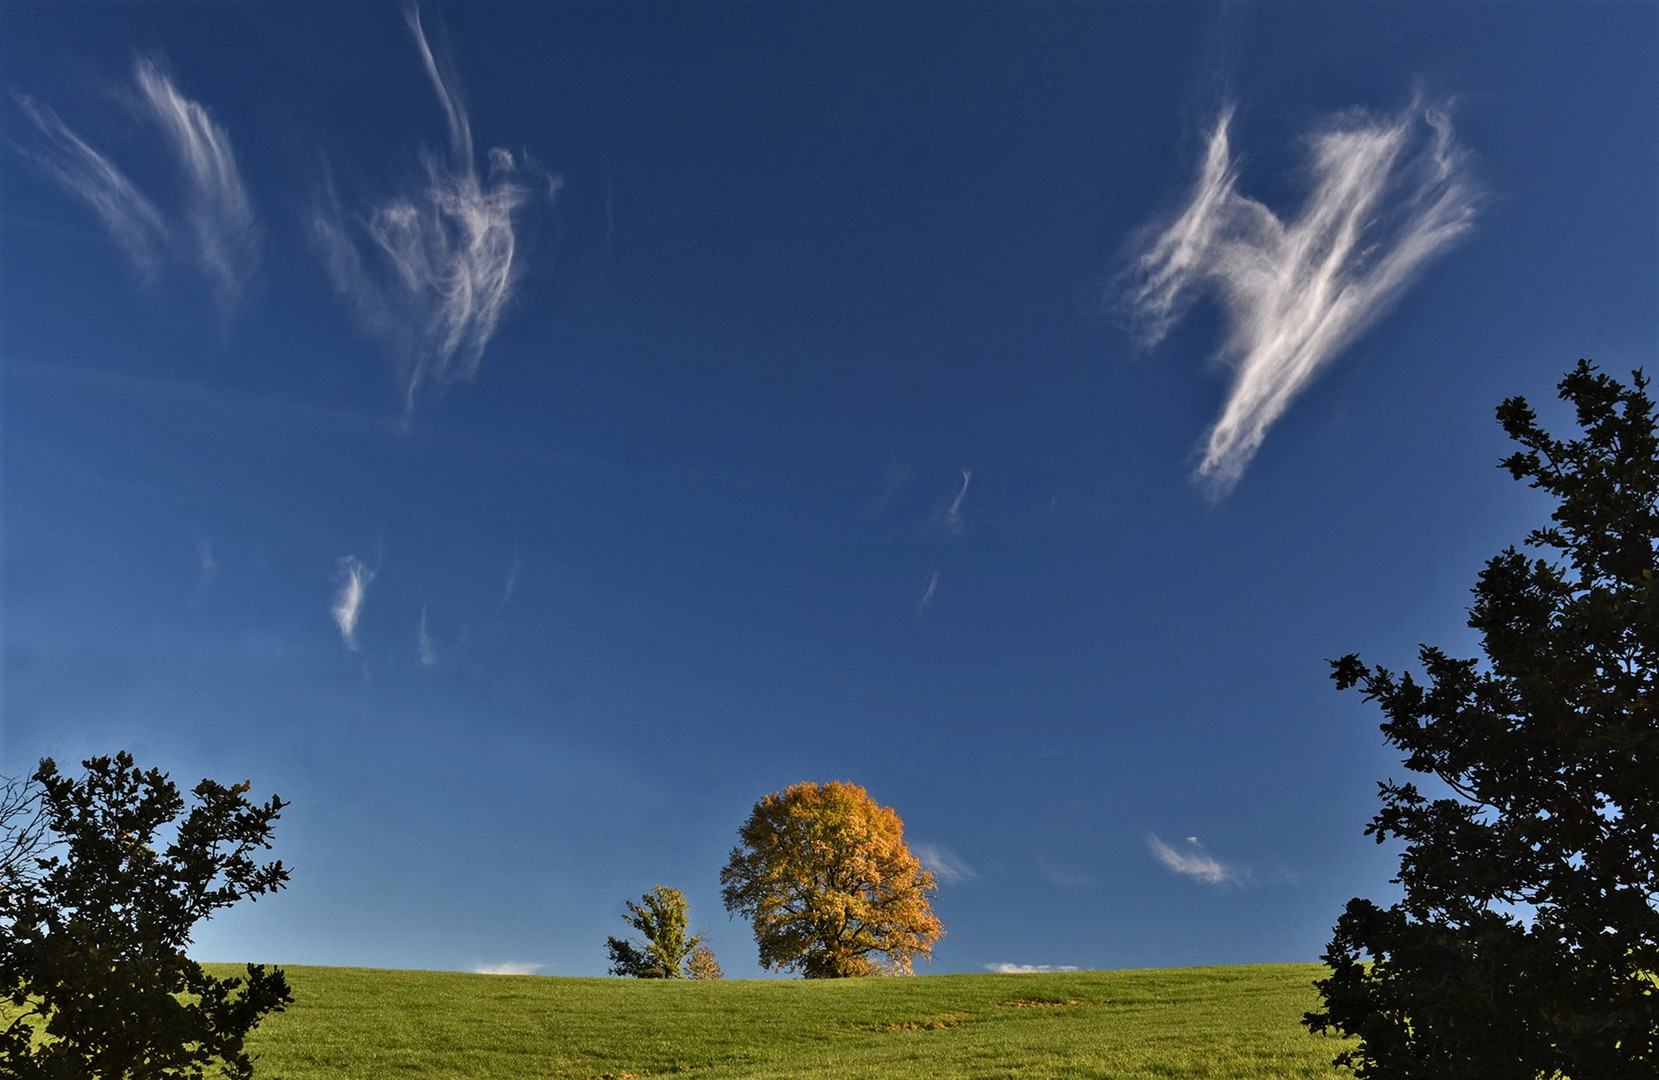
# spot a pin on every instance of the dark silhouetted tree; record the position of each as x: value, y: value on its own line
x: 1527, y: 942
x: 825, y: 876
x: 93, y: 937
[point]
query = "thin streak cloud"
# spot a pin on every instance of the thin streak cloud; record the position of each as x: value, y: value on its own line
x: 1193, y: 861
x: 1030, y: 969
x: 509, y: 586
x: 928, y: 590
x: 423, y: 642
x: 432, y: 271
x: 354, y: 577
x: 131, y: 219
x: 1386, y: 195
x: 210, y: 221
x: 952, y: 517
x: 945, y: 865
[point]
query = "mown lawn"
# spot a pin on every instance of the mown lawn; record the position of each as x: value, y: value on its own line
x: 1223, y: 1022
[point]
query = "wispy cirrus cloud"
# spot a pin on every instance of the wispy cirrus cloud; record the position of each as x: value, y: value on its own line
x: 509, y: 586
x: 929, y: 587
x: 1191, y: 860
x: 1386, y: 195
x: 209, y: 222
x: 951, y: 517
x: 132, y: 220
x: 423, y: 642
x: 945, y: 865
x: 431, y: 272
x: 1030, y: 969
x: 216, y: 210
x: 509, y: 967
x: 354, y: 578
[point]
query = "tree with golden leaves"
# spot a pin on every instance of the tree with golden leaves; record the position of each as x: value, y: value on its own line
x: 825, y: 876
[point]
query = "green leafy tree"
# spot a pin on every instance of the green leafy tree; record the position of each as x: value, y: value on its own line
x: 825, y: 876
x: 660, y: 918
x: 1527, y: 941
x: 92, y: 942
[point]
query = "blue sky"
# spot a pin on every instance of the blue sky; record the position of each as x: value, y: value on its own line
x: 522, y: 436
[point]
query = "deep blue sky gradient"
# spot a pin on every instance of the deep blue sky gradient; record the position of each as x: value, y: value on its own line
x: 808, y: 263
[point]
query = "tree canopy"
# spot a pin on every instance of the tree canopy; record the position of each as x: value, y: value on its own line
x: 1527, y: 942
x: 660, y: 918
x: 825, y: 876
x: 93, y: 936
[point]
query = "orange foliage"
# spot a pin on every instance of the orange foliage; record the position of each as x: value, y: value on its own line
x: 825, y: 876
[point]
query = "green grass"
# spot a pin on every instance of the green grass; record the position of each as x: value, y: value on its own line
x: 1222, y: 1022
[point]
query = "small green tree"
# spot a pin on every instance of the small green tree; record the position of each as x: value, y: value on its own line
x: 661, y: 919
x: 1527, y: 942
x: 92, y: 940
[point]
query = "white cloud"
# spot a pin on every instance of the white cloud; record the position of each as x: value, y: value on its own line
x: 348, y: 602
x: 211, y: 222
x: 927, y: 592
x: 1030, y: 969
x: 133, y: 221
x: 431, y: 272
x: 510, y: 585
x: 423, y: 642
x: 208, y: 566
x: 947, y: 867
x: 1386, y: 195
x: 1193, y: 862
x: 510, y: 967
x: 951, y: 519
x: 223, y: 233
x: 1063, y: 877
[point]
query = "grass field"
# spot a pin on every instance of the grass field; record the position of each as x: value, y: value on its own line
x: 1224, y: 1022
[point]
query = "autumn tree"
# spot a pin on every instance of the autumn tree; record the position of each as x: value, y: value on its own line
x: 1527, y: 942
x: 824, y: 875
x: 701, y: 964
x: 93, y: 935
x: 660, y: 918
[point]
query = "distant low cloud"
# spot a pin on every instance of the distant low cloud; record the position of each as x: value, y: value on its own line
x: 431, y: 272
x: 354, y: 577
x: 209, y: 221
x: 510, y: 967
x: 1386, y: 195
x: 1030, y: 969
x: 1191, y: 860
x: 946, y: 866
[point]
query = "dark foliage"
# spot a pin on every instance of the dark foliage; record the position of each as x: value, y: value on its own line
x: 92, y: 942
x: 1527, y: 942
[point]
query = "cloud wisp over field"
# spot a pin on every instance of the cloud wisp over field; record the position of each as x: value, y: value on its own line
x: 521, y: 437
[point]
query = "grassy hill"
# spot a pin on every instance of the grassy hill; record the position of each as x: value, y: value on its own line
x: 1223, y: 1022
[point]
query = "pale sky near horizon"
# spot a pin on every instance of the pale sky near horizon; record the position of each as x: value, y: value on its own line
x: 522, y: 436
